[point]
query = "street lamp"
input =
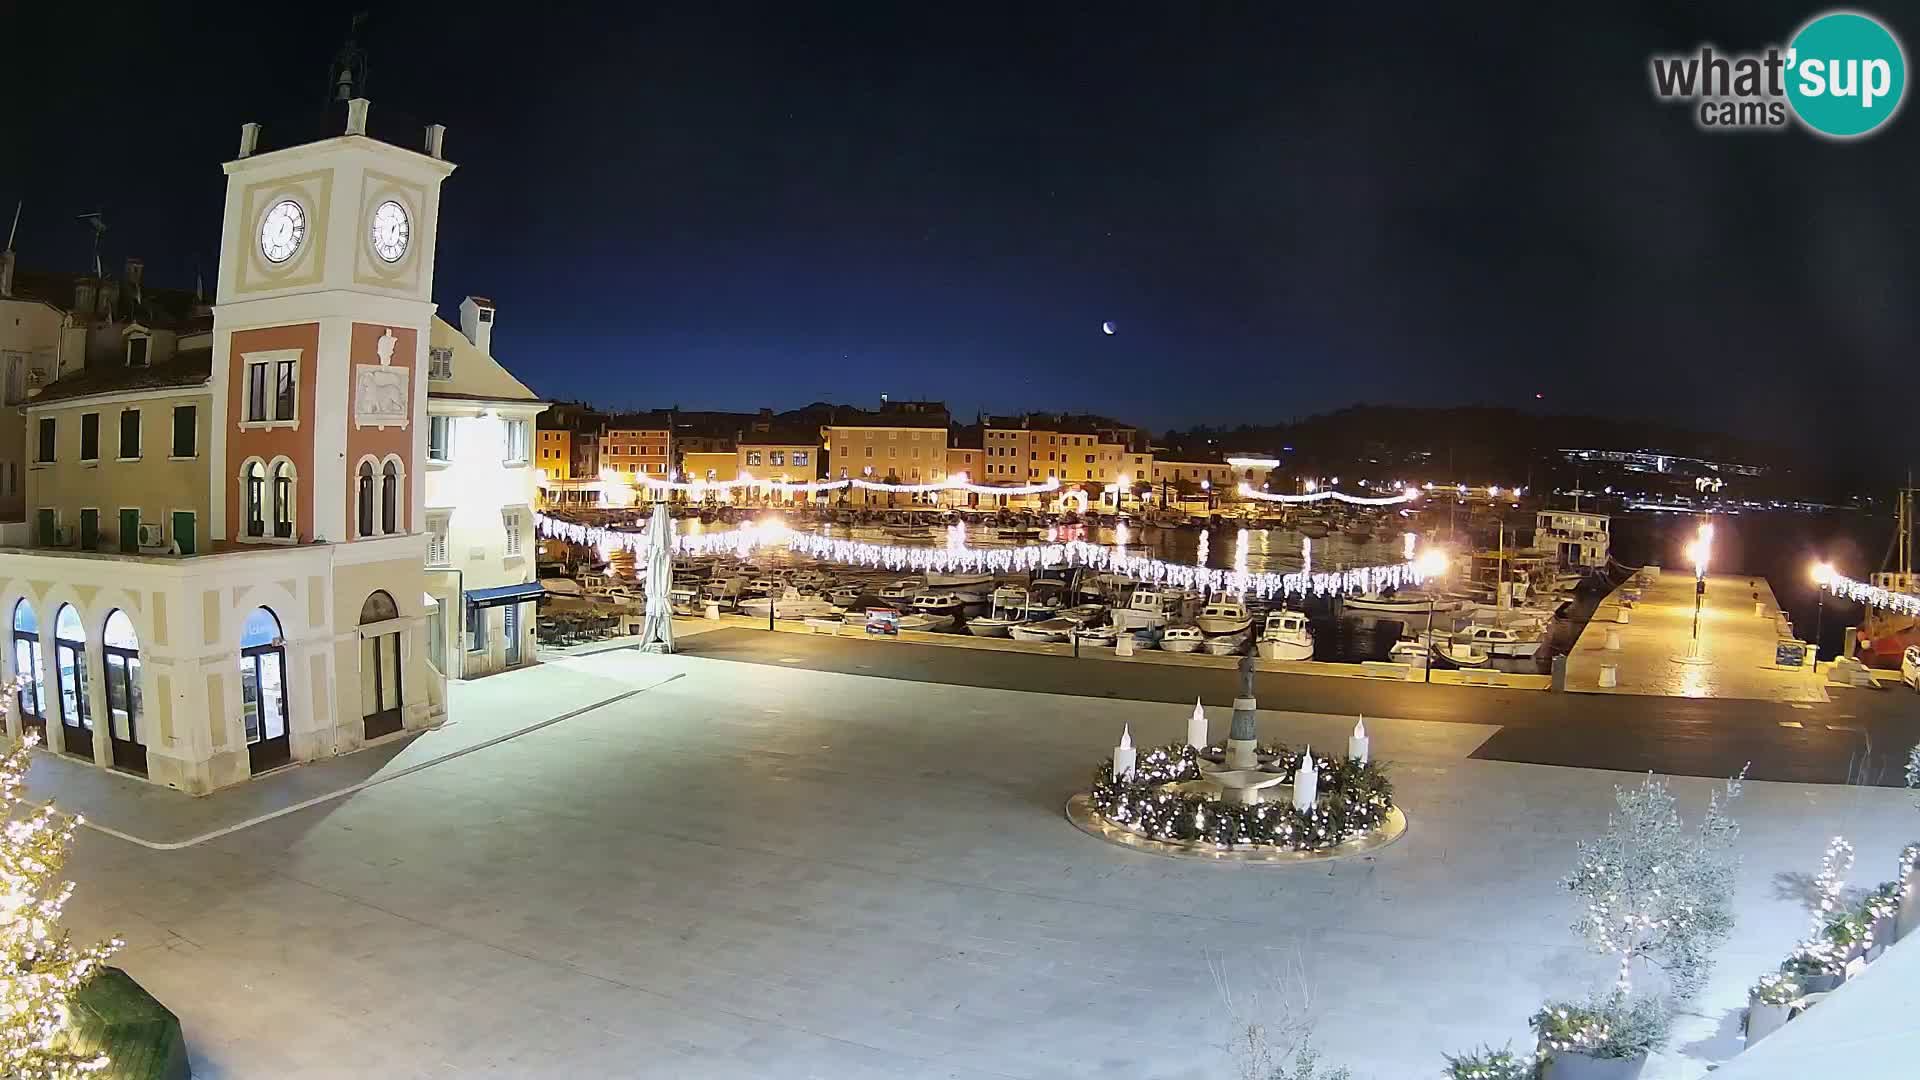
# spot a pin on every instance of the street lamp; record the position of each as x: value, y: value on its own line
x: 1822, y: 577
x: 1700, y: 551
x: 1431, y: 564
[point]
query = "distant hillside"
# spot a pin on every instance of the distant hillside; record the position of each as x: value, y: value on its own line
x: 1471, y: 440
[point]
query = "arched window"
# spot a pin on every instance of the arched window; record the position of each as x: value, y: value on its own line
x: 70, y: 670
x: 256, y: 483
x: 30, y: 666
x: 283, y: 477
x: 263, y: 691
x: 390, y: 498
x: 378, y: 608
x: 365, y: 498
x: 120, y: 649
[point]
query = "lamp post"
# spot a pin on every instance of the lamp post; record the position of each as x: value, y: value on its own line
x: 1701, y: 550
x: 1430, y: 565
x: 1822, y: 576
x: 1206, y: 489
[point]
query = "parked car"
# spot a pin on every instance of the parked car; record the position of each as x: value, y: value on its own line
x: 1910, y: 666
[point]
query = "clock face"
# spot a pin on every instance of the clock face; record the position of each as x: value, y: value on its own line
x: 391, y: 231
x: 282, y: 231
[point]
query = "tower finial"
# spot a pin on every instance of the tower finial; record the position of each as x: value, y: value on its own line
x: 347, y: 77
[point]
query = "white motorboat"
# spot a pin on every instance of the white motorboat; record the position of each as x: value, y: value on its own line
x: 1458, y: 654
x: 845, y: 595
x: 1409, y: 652
x: 1008, y: 611
x: 939, y: 602
x: 1046, y: 630
x: 969, y: 581
x: 1143, y: 611
x: 1021, y: 533
x: 1404, y: 603
x: 1226, y: 644
x: 1225, y: 616
x: 1286, y: 635
x: 901, y: 591
x: 1100, y: 637
x: 924, y: 621
x: 765, y: 586
x: 789, y: 605
x: 1182, y: 639
x: 724, y: 589
x: 1514, y: 641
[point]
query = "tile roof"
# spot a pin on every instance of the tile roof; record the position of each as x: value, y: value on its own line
x: 188, y: 367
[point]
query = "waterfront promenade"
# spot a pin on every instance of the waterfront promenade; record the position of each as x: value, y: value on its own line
x: 1735, y: 657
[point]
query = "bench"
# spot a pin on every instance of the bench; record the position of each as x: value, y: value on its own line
x: 1381, y: 669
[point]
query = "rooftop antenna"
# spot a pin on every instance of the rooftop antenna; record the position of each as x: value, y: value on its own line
x: 98, y: 221
x: 347, y: 76
x: 15, y: 231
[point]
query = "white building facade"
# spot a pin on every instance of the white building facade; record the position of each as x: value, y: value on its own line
x: 481, y: 491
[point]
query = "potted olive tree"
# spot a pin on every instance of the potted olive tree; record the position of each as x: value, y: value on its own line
x: 1770, y: 1004
x: 1604, y: 1038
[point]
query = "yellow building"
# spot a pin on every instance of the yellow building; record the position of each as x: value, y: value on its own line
x: 1192, y: 484
x: 638, y: 445
x: 553, y: 453
x: 710, y: 466
x: 905, y: 444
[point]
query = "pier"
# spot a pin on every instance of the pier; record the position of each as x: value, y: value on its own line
x: 1656, y: 655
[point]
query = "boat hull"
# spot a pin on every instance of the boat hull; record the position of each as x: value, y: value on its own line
x: 1283, y: 649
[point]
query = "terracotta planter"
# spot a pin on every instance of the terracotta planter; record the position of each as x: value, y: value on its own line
x: 1564, y: 1065
x: 1764, y: 1019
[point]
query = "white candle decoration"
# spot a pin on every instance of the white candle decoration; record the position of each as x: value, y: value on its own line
x: 1197, y: 727
x: 1124, y: 755
x: 1306, y: 782
x: 1357, y: 742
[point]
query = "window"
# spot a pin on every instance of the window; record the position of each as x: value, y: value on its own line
x: 440, y: 438
x: 89, y: 437
x: 514, y: 432
x: 270, y: 391
x: 893, y: 451
x: 777, y: 457
x: 16, y: 375
x: 186, y: 433
x: 437, y: 539
x: 869, y: 449
x: 283, y: 500
x: 800, y: 457
x: 137, y: 350
x: 440, y: 362
x: 510, y: 519
x: 390, y: 498
x: 364, y: 499
x: 256, y: 481
x: 476, y: 628
x: 753, y: 457
x: 129, y: 434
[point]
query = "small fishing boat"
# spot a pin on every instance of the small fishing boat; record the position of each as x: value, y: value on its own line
x: 789, y: 605
x: 1046, y: 630
x: 1143, y: 611
x: 845, y: 595
x: 1513, y: 641
x: 1286, y: 635
x: 1403, y: 603
x: 1022, y: 533
x: 1225, y: 616
x: 1182, y: 639
x: 1099, y: 637
x: 970, y: 581
x: 1007, y: 611
x: 1458, y: 654
x: 901, y: 591
x: 1226, y: 644
x: 1410, y: 652
x: 925, y: 621
x: 937, y: 603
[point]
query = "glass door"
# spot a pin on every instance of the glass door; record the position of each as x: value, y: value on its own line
x: 513, y: 634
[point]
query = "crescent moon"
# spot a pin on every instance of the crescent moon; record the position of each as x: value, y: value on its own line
x: 1106, y: 327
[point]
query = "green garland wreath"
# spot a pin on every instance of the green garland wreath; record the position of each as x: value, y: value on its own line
x: 1354, y: 799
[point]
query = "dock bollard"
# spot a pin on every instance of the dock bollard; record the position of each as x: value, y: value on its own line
x: 1123, y: 645
x: 1609, y: 675
x: 713, y: 611
x: 1759, y: 608
x: 1613, y: 640
x: 1623, y: 616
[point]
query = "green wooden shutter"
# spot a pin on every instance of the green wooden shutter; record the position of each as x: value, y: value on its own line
x: 183, y: 531
x: 129, y: 530
x: 89, y: 529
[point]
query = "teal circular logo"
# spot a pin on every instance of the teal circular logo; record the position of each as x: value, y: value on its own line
x: 1846, y: 74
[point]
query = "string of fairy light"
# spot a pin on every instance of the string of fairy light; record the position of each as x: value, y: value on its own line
x: 957, y: 558
x: 956, y: 482
x: 1860, y: 592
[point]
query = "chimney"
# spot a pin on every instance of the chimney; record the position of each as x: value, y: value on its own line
x: 6, y: 272
x: 136, y: 274
x: 249, y: 139
x: 436, y: 139
x: 357, y: 116
x: 476, y: 321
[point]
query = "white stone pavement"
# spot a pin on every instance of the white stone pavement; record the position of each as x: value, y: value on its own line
x: 760, y: 872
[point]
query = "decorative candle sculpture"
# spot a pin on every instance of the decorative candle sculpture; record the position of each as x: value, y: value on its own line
x: 1243, y: 738
x: 1124, y: 755
x: 1357, y: 742
x: 1197, y: 727
x: 1305, y: 782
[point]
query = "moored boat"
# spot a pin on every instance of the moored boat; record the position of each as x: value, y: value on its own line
x: 1182, y: 639
x: 1286, y: 635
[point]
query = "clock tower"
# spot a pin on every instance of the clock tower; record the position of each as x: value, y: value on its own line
x: 320, y: 334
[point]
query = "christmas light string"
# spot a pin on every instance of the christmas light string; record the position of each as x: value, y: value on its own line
x: 958, y: 559
x: 956, y: 482
x: 1407, y: 496
x: 1872, y: 595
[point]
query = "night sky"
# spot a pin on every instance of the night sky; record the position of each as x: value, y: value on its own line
x: 1282, y: 210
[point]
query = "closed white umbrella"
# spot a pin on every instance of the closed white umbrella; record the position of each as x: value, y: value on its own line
x: 657, y: 635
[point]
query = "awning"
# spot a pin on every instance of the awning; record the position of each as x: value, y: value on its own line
x: 505, y: 594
